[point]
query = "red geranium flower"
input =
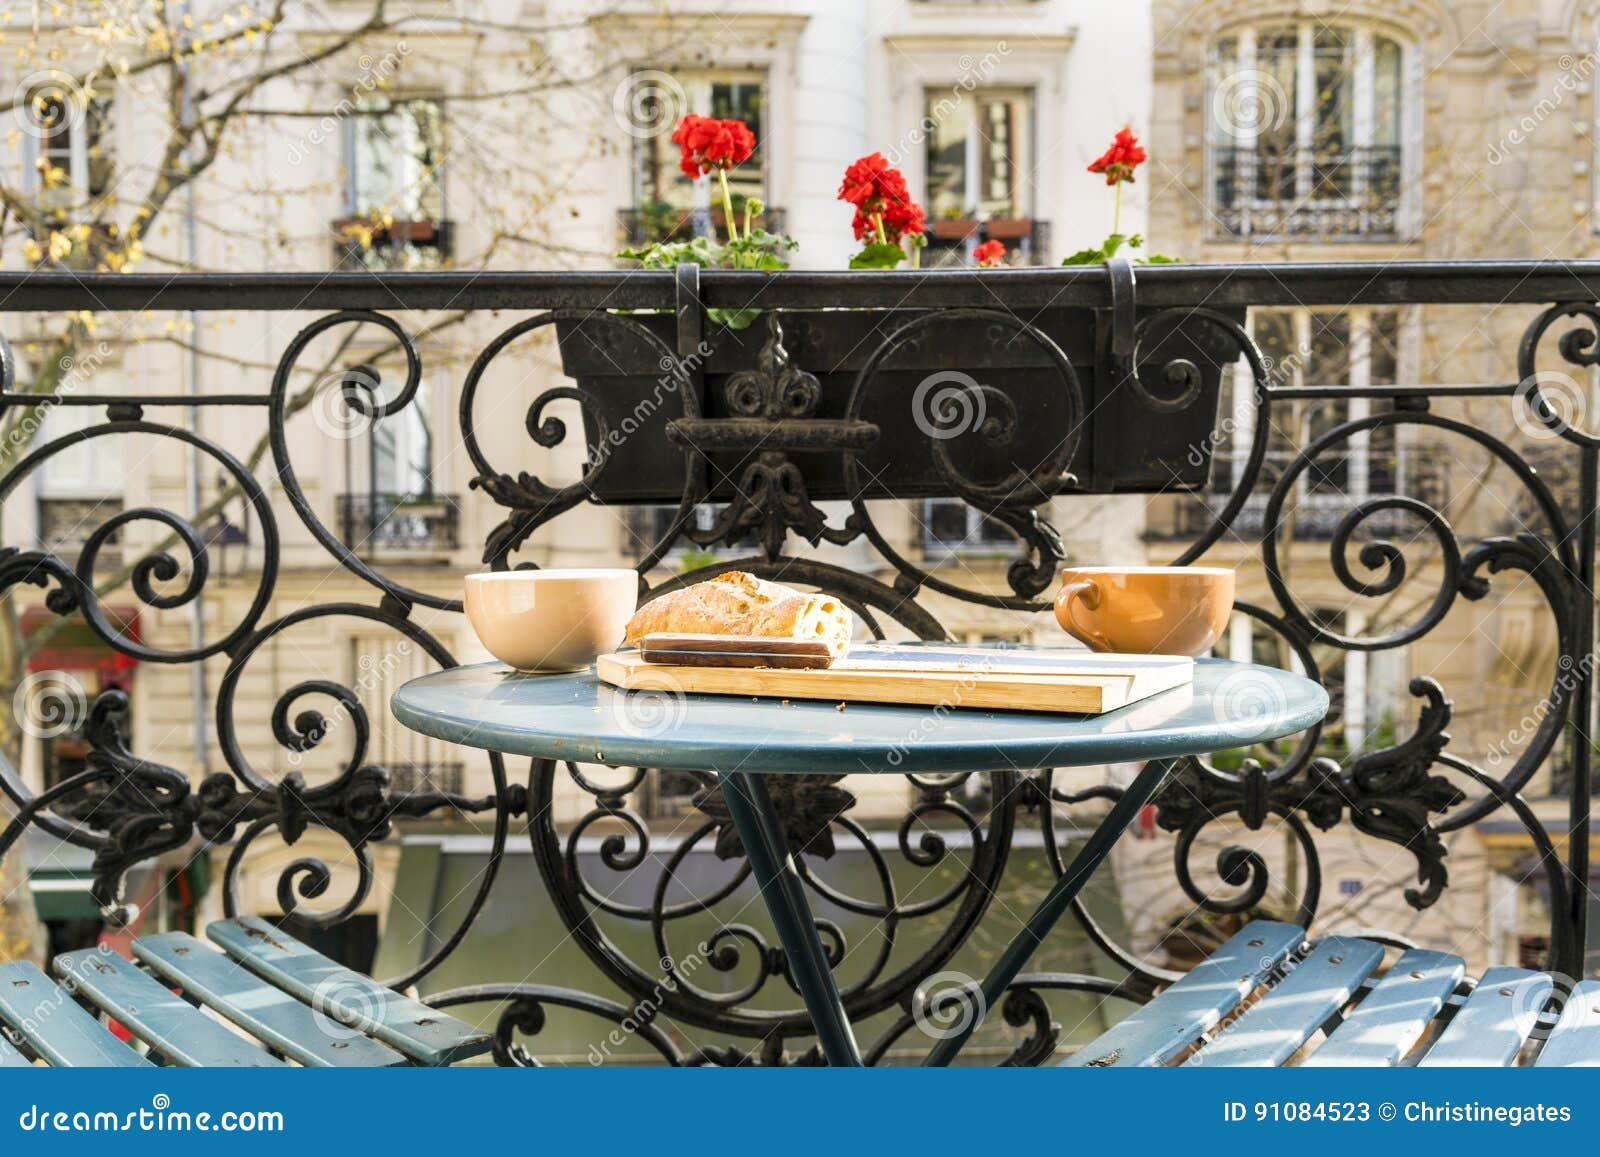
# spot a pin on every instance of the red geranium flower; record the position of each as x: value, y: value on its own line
x: 904, y: 219
x: 990, y: 254
x: 1121, y: 159
x: 872, y: 185
x: 708, y: 144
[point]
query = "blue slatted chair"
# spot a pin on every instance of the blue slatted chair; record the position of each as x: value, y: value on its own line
x: 1266, y: 997
x: 263, y: 1000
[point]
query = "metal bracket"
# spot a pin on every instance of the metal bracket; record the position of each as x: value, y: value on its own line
x: 691, y: 318
x: 1123, y: 319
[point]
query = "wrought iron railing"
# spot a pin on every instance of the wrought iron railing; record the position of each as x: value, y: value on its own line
x: 379, y: 523
x: 1068, y: 385
x: 1316, y: 510
x: 1311, y: 194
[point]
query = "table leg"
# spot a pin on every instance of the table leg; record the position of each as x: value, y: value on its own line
x: 750, y: 805
x: 1056, y: 903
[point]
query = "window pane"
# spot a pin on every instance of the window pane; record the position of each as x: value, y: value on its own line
x: 396, y: 155
x: 1274, y: 334
x: 1277, y: 60
x: 741, y: 100
x: 1003, y: 124
x: 945, y: 520
x: 1383, y: 469
x: 1328, y: 365
x: 947, y: 155
x: 1386, y: 92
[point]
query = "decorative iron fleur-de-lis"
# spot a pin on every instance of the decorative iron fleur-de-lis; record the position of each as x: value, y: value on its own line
x: 806, y: 805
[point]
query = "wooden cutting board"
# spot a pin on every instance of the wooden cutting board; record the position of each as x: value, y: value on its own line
x: 1055, y: 680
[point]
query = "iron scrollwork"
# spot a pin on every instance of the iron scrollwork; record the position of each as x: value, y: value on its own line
x: 797, y: 438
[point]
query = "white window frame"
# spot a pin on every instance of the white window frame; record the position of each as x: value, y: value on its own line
x: 696, y: 84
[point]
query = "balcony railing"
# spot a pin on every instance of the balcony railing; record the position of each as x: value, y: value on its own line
x: 1317, y: 509
x: 66, y: 523
x: 399, y: 523
x: 804, y: 431
x: 1311, y: 194
x: 390, y: 245
x: 420, y: 778
x: 951, y: 241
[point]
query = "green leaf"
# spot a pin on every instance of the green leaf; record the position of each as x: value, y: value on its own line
x: 878, y: 255
x: 669, y: 254
x: 734, y: 318
x: 1086, y: 257
x: 1158, y: 259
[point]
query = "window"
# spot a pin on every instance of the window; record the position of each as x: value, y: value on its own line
x: 1303, y: 347
x: 666, y: 203
x: 978, y: 153
x: 1305, y: 133
x: 395, y: 215
x: 70, y: 136
x: 391, y: 503
x: 979, y: 157
x: 949, y: 526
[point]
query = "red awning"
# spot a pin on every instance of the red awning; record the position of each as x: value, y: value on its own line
x: 73, y: 645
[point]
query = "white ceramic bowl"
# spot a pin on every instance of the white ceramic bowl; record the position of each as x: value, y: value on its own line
x: 551, y: 620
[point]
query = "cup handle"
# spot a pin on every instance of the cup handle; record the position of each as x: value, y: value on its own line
x: 1085, y: 591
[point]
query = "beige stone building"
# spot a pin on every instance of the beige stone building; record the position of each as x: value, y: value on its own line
x: 1390, y: 132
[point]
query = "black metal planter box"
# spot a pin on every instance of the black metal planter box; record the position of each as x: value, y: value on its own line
x: 1129, y: 440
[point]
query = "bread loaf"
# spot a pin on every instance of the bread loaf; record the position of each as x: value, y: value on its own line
x: 737, y: 603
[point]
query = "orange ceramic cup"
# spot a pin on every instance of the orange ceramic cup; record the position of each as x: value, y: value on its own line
x: 1146, y: 610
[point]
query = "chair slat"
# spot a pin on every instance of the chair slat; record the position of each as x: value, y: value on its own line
x: 423, y: 1033
x: 1576, y: 1038
x: 1493, y: 1024
x: 1271, y: 1031
x: 1160, y: 1030
x: 54, y: 1026
x: 1395, y: 1014
x: 261, y: 1009
x: 154, y: 1014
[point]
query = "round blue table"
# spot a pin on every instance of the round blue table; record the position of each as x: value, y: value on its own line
x: 576, y: 717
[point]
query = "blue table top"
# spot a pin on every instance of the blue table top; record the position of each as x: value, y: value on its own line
x: 575, y: 716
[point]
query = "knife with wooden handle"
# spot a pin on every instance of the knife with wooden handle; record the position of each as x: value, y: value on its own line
x: 688, y: 650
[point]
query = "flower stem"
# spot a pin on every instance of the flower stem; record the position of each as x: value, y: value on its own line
x: 727, y: 206
x: 877, y: 224
x: 1116, y: 209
